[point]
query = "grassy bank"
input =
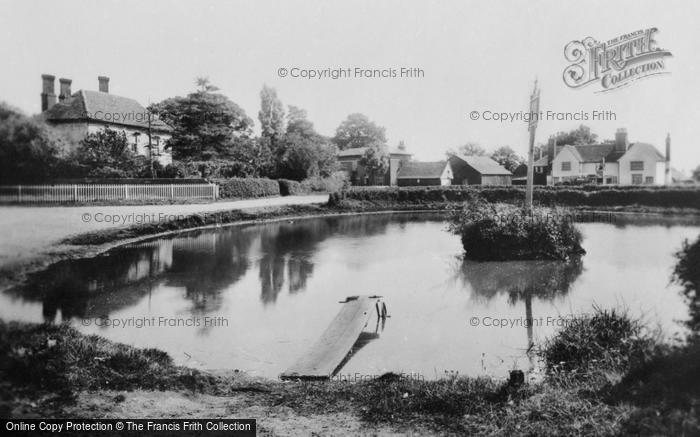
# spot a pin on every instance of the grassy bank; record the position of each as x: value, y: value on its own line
x: 605, y: 376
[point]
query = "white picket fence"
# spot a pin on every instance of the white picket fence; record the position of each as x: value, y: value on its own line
x: 65, y: 193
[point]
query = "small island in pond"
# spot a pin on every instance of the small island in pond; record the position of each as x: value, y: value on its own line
x: 503, y: 232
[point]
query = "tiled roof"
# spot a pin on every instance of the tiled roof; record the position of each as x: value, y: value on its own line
x: 596, y: 152
x: 647, y: 148
x: 99, y: 107
x: 359, y: 151
x: 484, y: 165
x: 542, y: 162
x: 424, y: 170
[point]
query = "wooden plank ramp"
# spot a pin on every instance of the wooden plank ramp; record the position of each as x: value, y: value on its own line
x: 329, y: 351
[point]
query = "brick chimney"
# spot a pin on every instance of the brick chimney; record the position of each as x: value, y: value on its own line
x: 65, y: 90
x: 551, y: 148
x: 104, y: 84
x: 621, y: 141
x: 667, y: 168
x: 48, y: 91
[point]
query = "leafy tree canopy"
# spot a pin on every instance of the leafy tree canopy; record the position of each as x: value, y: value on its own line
x: 107, y: 154
x: 507, y: 157
x: 578, y: 136
x: 298, y: 123
x: 205, y: 123
x: 271, y: 114
x: 375, y: 159
x: 358, y: 131
x: 468, y: 149
x: 29, y: 150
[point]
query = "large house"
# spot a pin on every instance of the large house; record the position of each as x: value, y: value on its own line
x: 356, y: 173
x: 75, y: 115
x: 616, y: 162
x: 414, y: 173
x: 478, y: 170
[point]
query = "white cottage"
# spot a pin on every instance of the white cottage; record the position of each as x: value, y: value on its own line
x: 617, y: 162
x: 75, y: 115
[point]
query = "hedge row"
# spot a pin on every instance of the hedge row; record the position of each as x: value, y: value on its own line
x: 678, y: 197
x: 289, y: 187
x: 244, y: 188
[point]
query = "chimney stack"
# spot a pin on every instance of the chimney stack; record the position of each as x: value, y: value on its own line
x: 48, y: 91
x: 104, y: 84
x: 551, y: 148
x: 65, y: 90
x: 621, y: 141
x: 668, y: 160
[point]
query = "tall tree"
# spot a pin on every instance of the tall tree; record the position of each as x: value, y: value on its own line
x: 358, y: 131
x: 580, y: 135
x: 507, y: 157
x: 696, y: 174
x: 204, y: 123
x: 271, y: 114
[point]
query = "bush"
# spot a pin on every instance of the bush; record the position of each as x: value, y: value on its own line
x: 604, y: 340
x: 499, y: 232
x: 686, y: 273
x: 246, y: 188
x: 289, y: 187
x: 29, y: 149
x: 331, y: 184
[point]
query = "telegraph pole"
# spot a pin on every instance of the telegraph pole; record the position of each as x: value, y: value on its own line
x: 532, y: 125
x: 150, y: 145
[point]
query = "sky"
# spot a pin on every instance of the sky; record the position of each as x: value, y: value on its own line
x: 474, y: 55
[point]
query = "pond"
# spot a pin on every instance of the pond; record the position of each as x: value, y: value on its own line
x: 255, y: 297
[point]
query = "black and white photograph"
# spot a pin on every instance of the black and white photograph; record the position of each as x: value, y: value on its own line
x: 349, y: 218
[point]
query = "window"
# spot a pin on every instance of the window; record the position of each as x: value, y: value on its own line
x: 566, y: 166
x: 612, y: 180
x: 649, y: 180
x: 637, y: 165
x: 136, y: 141
x: 156, y: 145
x: 636, y: 179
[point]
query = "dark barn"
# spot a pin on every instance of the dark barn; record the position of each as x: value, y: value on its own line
x: 478, y: 170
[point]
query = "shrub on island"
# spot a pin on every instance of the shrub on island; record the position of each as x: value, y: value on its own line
x: 500, y: 232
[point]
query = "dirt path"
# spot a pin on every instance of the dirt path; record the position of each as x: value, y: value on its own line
x: 31, y: 231
x: 272, y: 420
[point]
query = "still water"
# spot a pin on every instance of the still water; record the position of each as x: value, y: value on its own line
x: 255, y: 297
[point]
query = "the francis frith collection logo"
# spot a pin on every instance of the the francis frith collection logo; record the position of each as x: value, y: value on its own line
x: 614, y: 63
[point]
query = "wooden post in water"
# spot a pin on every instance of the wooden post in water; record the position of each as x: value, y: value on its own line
x: 532, y: 125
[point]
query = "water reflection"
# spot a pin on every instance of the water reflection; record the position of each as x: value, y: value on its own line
x: 279, y: 285
x: 201, y: 263
x: 522, y: 281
